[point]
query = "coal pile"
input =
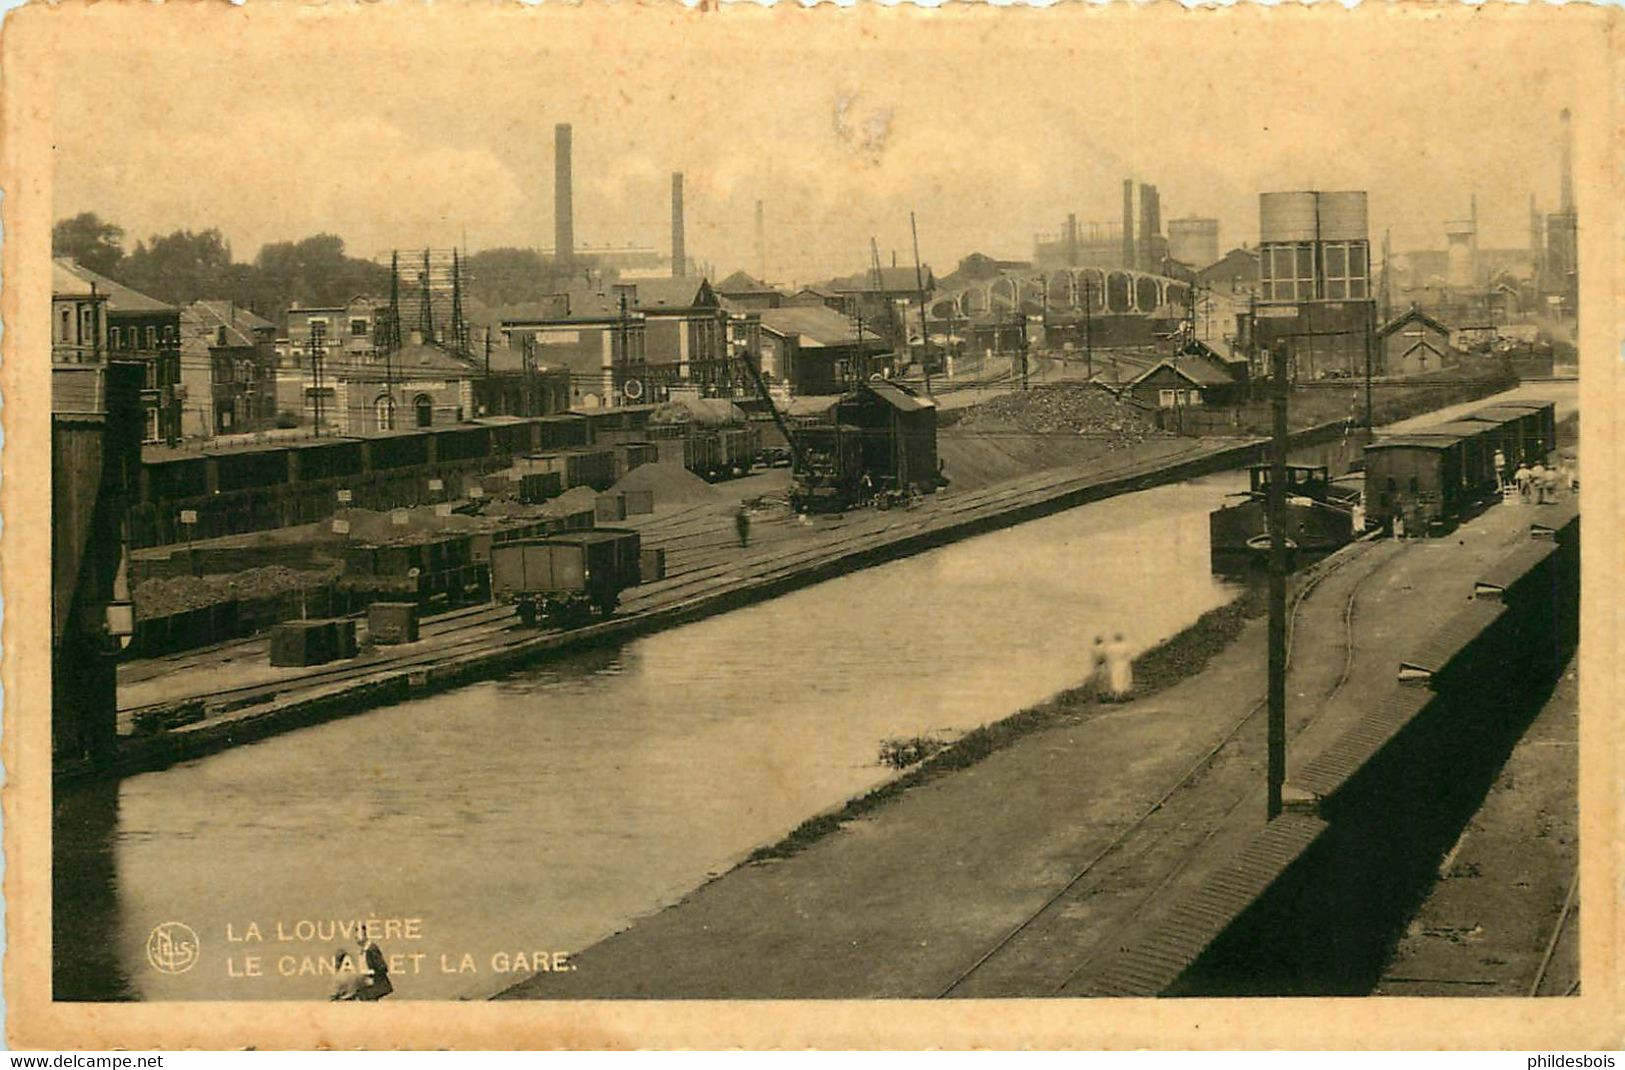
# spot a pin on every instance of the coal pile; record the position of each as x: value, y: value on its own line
x: 1066, y: 409
x: 178, y: 594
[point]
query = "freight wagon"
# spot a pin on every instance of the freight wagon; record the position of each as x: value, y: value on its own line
x: 1477, y: 476
x: 593, y: 468
x: 1413, y: 483
x: 564, y: 580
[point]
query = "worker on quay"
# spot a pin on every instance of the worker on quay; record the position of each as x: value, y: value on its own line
x: 1537, y: 482
x: 1521, y: 478
x: 742, y: 526
x: 1119, y: 669
x: 1548, y: 488
x: 1500, y: 472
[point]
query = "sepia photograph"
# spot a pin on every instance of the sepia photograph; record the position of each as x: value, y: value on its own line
x: 633, y: 503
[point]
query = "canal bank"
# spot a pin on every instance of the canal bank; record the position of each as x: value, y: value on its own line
x: 207, y: 709
x: 555, y: 805
x: 296, y: 699
x: 1030, y: 871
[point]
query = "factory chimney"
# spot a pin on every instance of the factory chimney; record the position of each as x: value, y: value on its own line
x: 564, y: 236
x: 679, y: 254
x: 761, y: 245
x: 1566, y: 161
x: 1129, y: 260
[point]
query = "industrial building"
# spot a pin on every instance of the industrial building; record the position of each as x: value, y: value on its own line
x: 1194, y: 241
x: 1315, y: 282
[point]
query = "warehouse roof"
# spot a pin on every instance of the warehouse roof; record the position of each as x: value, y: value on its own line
x: 900, y: 397
x: 892, y: 280
x: 817, y: 325
x: 655, y: 294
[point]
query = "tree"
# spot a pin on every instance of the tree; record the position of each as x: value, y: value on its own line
x: 180, y: 267
x: 89, y: 239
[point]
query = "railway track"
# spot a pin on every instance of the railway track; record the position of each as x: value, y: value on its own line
x: 1051, y: 909
x: 1571, y: 902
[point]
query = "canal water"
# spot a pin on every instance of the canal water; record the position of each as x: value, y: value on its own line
x: 543, y: 811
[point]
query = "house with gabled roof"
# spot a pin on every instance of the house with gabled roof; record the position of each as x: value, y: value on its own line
x: 740, y: 292
x: 1185, y: 381
x: 1413, y: 343
x: 228, y: 367
x: 142, y: 329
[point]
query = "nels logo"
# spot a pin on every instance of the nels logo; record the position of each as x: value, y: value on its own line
x: 172, y: 948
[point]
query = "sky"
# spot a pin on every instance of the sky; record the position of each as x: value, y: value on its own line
x: 401, y: 128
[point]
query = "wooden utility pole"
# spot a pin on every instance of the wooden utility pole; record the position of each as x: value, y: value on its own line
x: 318, y: 345
x: 919, y: 284
x: 1278, y: 570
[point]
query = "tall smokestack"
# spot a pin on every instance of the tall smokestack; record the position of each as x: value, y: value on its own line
x: 1150, y: 226
x: 1129, y: 260
x: 761, y: 244
x: 679, y: 254
x: 1566, y: 160
x: 564, y: 233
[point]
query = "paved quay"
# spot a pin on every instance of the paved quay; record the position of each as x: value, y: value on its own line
x: 1013, y: 876
x: 1502, y: 917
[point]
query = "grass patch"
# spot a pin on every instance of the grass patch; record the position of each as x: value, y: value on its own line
x: 901, y: 753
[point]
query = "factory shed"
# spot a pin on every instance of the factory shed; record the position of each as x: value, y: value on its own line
x: 898, y: 433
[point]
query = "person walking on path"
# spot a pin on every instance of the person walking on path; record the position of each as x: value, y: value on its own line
x: 1119, y: 669
x: 1096, y: 683
x: 742, y: 526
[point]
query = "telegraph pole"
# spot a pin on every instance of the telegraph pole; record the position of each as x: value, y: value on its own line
x: 919, y: 284
x: 1278, y: 570
x: 318, y: 347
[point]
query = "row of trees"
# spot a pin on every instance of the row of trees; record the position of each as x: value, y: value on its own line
x: 187, y: 266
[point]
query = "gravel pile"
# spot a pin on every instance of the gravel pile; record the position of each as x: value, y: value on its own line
x: 1066, y: 409
x: 671, y: 483
x: 161, y: 597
